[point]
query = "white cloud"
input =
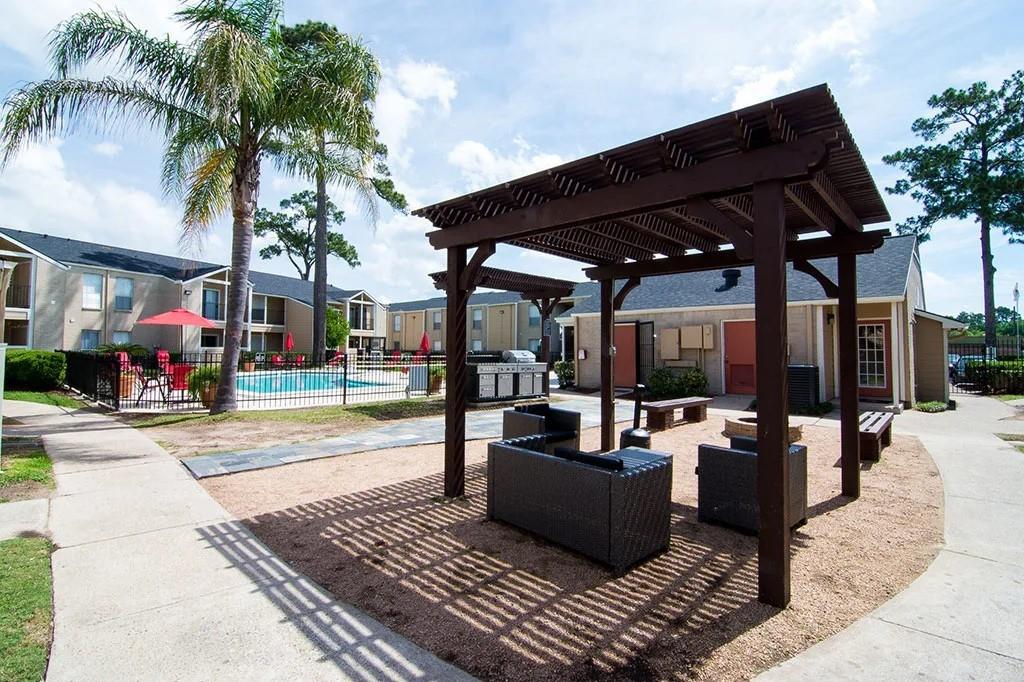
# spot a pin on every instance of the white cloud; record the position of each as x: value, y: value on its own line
x: 403, y: 92
x: 107, y: 148
x: 481, y: 167
x: 423, y: 81
x: 993, y: 68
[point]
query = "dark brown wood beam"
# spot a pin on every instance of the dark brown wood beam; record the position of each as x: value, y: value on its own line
x: 628, y: 286
x: 455, y: 373
x: 791, y: 162
x: 739, y: 204
x: 617, y: 172
x: 740, y: 237
x: 627, y: 243
x: 668, y: 243
x: 830, y: 288
x: 606, y: 339
x: 811, y: 204
x: 672, y: 155
x: 805, y: 249
x: 827, y: 190
x: 550, y: 250
x: 471, y: 274
x: 773, y: 494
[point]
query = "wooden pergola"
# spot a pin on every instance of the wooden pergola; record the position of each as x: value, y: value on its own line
x: 756, y: 179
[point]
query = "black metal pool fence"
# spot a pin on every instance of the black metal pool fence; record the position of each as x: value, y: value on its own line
x: 165, y: 381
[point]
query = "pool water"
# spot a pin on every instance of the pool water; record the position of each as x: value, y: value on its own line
x: 292, y: 382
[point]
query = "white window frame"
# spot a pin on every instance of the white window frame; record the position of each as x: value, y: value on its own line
x: 478, y: 318
x: 131, y: 294
x: 87, y: 277
x: 81, y: 342
x: 437, y: 346
x: 118, y: 335
x: 477, y: 345
x: 880, y: 360
x: 396, y: 323
x: 437, y: 320
x: 532, y: 319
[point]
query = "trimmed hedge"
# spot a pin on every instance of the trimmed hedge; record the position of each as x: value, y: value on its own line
x: 996, y: 376
x: 34, y: 370
x: 666, y: 383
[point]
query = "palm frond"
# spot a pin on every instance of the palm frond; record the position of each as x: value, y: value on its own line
x: 208, y: 194
x: 96, y: 35
x: 236, y: 69
x: 185, y: 150
x: 55, y: 107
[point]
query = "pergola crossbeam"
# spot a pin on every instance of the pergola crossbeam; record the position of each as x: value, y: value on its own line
x: 740, y: 238
x: 811, y: 204
x: 827, y: 190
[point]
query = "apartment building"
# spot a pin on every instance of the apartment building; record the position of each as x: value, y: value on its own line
x: 71, y: 294
x: 495, y: 321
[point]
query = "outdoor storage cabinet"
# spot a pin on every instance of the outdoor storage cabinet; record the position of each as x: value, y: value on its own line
x: 727, y: 485
x: 615, y: 517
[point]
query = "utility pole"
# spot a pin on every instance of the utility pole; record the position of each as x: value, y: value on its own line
x: 1016, y: 314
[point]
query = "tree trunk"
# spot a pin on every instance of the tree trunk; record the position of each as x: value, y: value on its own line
x: 988, y: 272
x: 245, y: 186
x: 320, y: 266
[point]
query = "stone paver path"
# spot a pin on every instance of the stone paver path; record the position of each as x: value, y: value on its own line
x: 153, y: 580
x: 479, y: 424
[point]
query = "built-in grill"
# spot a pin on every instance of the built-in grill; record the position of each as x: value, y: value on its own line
x: 511, y: 374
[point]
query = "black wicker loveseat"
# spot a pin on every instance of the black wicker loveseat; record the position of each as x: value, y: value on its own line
x: 614, y: 508
x: 560, y: 428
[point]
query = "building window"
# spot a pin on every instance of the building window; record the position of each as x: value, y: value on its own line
x: 257, y: 342
x: 210, y: 338
x: 124, y: 293
x: 534, y: 316
x: 533, y: 345
x: 212, y: 309
x: 871, y: 355
x: 396, y: 323
x: 259, y: 310
x: 121, y: 337
x: 90, y: 339
x: 437, y: 346
x: 478, y: 318
x: 437, y: 320
x: 397, y: 345
x: 478, y: 345
x: 92, y: 292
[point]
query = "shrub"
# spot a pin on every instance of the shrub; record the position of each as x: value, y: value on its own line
x: 931, y: 406
x: 132, y: 349
x: 437, y: 370
x: 565, y: 370
x: 668, y: 383
x: 996, y: 376
x: 199, y: 379
x: 35, y: 370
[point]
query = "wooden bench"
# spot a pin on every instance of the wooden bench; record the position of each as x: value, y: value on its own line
x: 661, y: 413
x: 875, y: 434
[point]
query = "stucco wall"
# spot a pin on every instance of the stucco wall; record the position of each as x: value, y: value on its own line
x: 930, y: 360
x: 299, y: 321
x: 500, y: 327
x: 49, y: 306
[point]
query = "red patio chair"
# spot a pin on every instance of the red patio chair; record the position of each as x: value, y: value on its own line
x: 276, y: 361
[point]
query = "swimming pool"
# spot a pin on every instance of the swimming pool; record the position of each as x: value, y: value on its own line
x: 293, y: 382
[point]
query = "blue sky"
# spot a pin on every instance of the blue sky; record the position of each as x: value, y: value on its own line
x: 480, y: 92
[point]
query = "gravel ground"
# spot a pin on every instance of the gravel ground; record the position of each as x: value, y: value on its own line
x: 503, y: 605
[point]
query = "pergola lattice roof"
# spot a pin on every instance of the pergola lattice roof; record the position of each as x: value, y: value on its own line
x: 530, y: 286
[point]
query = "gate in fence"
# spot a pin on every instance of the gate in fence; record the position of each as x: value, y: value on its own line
x: 973, y: 368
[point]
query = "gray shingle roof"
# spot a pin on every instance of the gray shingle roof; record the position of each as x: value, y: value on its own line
x: 879, y: 274
x: 73, y: 251
x: 292, y: 287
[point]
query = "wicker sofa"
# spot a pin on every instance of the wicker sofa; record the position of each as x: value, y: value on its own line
x: 613, y: 508
x: 727, y: 484
x: 560, y: 428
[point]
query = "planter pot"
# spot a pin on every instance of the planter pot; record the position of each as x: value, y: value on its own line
x: 435, y: 384
x: 125, y: 384
x: 249, y: 366
x: 208, y: 395
x: 747, y: 426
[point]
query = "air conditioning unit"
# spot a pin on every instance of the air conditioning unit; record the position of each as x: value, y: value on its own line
x: 803, y: 386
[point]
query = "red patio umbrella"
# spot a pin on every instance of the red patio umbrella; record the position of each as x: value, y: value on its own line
x: 179, y: 317
x: 425, y: 343
x: 289, y: 342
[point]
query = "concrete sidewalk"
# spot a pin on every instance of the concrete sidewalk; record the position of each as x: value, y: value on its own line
x: 963, y: 619
x: 154, y: 580
x: 26, y: 517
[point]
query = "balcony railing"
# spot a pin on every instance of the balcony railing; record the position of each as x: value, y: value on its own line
x: 19, y: 295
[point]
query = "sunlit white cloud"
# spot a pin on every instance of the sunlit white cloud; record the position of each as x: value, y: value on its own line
x: 480, y: 166
x: 107, y: 148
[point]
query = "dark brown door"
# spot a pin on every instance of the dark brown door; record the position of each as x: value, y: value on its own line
x: 625, y: 354
x: 740, y: 357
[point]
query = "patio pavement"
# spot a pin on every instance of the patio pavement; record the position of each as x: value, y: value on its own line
x: 155, y: 580
x: 964, y: 617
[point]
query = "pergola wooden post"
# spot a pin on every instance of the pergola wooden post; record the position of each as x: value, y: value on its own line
x: 849, y: 413
x: 455, y: 376
x: 772, y: 400
x: 546, y: 307
x: 757, y: 179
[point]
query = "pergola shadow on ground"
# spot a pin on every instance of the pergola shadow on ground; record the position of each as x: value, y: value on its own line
x: 756, y: 179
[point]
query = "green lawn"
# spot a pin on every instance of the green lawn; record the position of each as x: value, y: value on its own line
x: 46, y: 398
x: 25, y: 465
x: 26, y: 608
x: 1010, y: 396
x: 396, y: 409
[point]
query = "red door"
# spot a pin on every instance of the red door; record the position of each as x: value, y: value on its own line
x: 874, y: 356
x: 740, y: 357
x: 625, y: 355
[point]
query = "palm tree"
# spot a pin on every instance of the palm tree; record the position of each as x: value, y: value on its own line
x: 344, y: 150
x: 221, y: 100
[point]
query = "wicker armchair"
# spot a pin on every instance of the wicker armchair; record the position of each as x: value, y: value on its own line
x: 727, y: 485
x: 561, y: 428
x: 614, y: 508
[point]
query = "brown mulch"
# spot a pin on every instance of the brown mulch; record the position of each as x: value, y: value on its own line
x: 505, y: 605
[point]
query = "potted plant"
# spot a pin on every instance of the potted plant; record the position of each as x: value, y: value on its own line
x: 202, y: 384
x: 436, y: 374
x: 248, y: 361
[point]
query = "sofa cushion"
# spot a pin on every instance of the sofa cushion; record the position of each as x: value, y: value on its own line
x: 555, y: 436
x: 600, y: 461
